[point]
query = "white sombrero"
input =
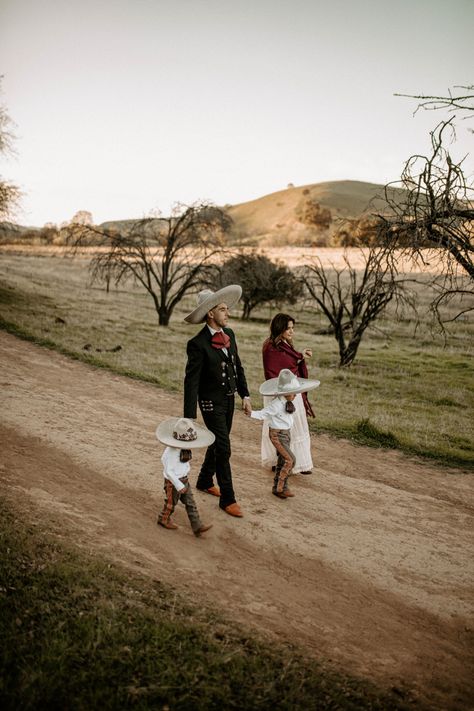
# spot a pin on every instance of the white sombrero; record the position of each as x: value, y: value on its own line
x: 183, y: 433
x: 207, y: 299
x: 286, y: 384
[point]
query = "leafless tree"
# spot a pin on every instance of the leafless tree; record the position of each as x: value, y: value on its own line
x: 436, y: 211
x: 353, y: 299
x: 165, y: 255
x: 9, y: 193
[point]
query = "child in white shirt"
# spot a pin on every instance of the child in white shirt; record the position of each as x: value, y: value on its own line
x: 181, y: 436
x: 279, y: 414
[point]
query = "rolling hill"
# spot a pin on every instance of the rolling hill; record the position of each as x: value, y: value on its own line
x: 303, y: 215
x: 275, y: 219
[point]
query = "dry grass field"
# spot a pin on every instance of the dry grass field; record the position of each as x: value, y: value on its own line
x: 292, y: 256
x: 409, y: 388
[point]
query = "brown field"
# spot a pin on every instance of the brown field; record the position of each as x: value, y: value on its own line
x: 291, y: 256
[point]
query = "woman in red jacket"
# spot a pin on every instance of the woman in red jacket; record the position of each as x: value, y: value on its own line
x: 278, y: 352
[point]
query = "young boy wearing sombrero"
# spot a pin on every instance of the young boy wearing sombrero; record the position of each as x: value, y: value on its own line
x: 180, y: 436
x: 279, y: 414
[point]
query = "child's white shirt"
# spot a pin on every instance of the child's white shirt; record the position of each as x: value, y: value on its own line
x: 173, y: 469
x: 275, y: 413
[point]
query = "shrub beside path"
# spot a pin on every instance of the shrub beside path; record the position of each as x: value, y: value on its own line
x: 369, y: 566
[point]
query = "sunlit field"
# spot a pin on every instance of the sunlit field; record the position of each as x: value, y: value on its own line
x: 408, y: 388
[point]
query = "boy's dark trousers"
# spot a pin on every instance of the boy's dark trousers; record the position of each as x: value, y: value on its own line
x: 286, y: 459
x: 172, y: 496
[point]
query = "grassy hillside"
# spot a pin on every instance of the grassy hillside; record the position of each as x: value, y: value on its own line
x: 273, y: 220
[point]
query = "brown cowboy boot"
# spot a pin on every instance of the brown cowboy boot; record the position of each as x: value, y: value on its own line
x: 202, y: 529
x: 167, y: 524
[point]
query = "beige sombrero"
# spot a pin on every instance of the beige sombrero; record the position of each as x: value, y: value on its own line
x: 183, y: 433
x: 207, y: 299
x: 286, y: 384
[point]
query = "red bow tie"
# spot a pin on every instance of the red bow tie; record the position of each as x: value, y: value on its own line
x: 220, y: 340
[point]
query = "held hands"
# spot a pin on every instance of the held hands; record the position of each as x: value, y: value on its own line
x: 247, y: 406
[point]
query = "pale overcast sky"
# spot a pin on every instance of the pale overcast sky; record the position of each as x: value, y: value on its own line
x: 126, y: 106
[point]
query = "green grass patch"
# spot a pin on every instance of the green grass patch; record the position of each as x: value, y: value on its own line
x: 371, y: 434
x: 446, y: 402
x: 77, y: 632
x: 439, y: 452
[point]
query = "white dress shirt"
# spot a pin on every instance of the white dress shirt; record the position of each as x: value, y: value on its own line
x: 275, y: 413
x: 173, y: 469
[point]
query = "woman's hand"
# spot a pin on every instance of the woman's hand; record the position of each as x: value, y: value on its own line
x: 307, y: 353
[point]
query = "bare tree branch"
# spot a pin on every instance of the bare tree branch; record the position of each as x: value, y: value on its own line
x: 166, y: 256
x: 463, y: 101
x: 352, y: 299
x: 435, y: 215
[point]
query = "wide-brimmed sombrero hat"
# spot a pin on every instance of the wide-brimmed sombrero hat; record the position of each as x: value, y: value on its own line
x: 286, y: 384
x: 183, y: 433
x: 207, y: 300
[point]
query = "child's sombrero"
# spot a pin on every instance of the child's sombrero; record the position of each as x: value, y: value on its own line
x: 183, y: 433
x: 286, y: 384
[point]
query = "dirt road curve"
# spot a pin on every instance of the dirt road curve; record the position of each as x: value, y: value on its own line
x: 370, y: 565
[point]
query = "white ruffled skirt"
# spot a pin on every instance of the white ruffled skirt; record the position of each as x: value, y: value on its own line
x: 300, y: 439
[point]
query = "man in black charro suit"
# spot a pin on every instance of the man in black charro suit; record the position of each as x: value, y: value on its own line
x: 214, y: 374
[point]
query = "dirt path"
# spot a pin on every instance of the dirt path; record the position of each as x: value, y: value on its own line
x: 370, y: 565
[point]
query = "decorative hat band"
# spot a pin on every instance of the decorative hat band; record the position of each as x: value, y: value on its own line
x: 189, y: 436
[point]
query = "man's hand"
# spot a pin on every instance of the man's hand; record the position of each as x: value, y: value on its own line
x: 247, y: 406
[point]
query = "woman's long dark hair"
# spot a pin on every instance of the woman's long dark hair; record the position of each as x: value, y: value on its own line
x: 278, y: 325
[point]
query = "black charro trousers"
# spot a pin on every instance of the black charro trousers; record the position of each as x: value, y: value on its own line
x: 217, y: 459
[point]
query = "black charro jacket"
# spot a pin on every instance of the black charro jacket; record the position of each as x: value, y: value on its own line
x: 206, y: 372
